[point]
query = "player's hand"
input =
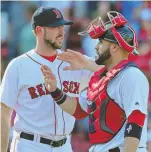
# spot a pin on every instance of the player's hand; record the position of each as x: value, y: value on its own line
x: 49, y: 78
x: 77, y: 60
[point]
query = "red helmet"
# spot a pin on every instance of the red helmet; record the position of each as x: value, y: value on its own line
x: 115, y: 30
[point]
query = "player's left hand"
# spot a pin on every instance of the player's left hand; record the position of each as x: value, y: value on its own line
x: 49, y: 78
x: 76, y: 60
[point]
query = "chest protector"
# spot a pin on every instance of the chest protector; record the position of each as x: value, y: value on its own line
x: 106, y: 117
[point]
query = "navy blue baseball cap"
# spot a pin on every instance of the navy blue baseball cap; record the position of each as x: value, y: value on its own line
x: 49, y: 17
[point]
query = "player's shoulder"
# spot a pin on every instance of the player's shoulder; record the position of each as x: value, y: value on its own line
x: 133, y: 74
x: 24, y: 56
x: 132, y: 71
x: 12, y: 64
x: 15, y: 61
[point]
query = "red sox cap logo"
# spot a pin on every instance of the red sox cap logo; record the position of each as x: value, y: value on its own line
x: 57, y: 12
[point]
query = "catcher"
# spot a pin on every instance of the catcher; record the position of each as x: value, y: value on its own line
x: 117, y: 94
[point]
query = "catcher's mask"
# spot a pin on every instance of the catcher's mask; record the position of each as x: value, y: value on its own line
x: 115, y: 30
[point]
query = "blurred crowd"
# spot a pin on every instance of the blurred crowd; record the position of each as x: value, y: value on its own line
x: 17, y: 38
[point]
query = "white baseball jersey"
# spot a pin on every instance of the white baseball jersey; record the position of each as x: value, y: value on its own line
x: 23, y: 89
x: 130, y: 90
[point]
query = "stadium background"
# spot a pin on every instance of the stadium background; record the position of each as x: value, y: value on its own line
x: 17, y: 38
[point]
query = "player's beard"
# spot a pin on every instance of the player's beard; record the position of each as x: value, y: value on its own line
x: 103, y: 57
x: 50, y: 43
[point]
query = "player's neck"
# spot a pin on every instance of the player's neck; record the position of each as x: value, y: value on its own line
x: 113, y: 62
x: 44, y: 50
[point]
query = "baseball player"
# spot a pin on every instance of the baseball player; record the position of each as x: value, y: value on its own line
x: 40, y: 124
x: 117, y: 95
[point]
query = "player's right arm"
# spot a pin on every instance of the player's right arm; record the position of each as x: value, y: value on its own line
x: 76, y: 107
x: 8, y: 100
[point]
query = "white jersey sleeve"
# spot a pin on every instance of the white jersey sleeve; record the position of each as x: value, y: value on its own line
x: 9, y: 85
x: 134, y: 90
x: 83, y: 100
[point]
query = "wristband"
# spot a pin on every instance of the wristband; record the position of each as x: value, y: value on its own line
x: 133, y: 130
x: 58, y: 96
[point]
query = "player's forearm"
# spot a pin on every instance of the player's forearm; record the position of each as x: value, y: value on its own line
x: 4, y: 135
x: 131, y: 144
x: 69, y: 104
x: 5, y: 119
x: 66, y: 103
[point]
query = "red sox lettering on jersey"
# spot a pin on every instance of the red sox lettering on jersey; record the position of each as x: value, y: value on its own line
x: 70, y: 86
x: 40, y: 89
x: 37, y: 91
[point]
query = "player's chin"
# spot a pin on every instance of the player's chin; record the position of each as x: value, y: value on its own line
x: 60, y: 44
x: 98, y: 59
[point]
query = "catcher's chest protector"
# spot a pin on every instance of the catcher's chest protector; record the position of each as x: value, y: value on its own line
x: 106, y: 117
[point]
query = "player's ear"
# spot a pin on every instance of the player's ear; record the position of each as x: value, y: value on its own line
x: 113, y: 47
x: 38, y: 30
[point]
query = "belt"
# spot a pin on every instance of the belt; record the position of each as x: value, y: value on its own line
x: 44, y: 140
x: 115, y: 150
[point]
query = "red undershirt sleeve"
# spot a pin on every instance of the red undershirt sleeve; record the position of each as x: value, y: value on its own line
x: 79, y: 112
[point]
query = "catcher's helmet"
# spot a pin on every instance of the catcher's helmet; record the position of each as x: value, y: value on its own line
x: 115, y: 30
